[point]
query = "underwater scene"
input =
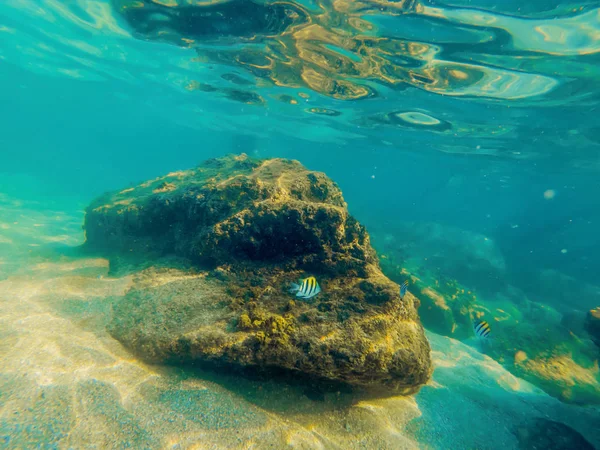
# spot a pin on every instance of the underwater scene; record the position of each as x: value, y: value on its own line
x: 300, y: 224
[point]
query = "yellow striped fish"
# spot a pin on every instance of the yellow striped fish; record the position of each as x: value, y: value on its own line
x: 306, y: 288
x: 481, y: 328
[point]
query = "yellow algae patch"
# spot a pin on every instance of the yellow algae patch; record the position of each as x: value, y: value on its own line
x: 328, y: 336
x: 164, y: 187
x: 565, y: 373
x: 125, y: 202
x: 570, y: 370
x: 179, y: 174
x: 149, y: 183
x: 436, y: 297
x: 520, y: 356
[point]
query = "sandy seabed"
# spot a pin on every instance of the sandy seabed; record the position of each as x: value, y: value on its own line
x: 66, y: 383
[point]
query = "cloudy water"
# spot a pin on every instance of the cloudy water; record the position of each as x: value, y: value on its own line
x: 145, y: 287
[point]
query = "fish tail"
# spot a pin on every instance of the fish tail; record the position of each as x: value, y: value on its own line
x: 403, y: 289
x: 294, y: 288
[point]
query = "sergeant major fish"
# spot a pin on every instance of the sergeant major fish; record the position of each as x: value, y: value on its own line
x: 307, y: 288
x: 403, y: 289
x: 481, y: 328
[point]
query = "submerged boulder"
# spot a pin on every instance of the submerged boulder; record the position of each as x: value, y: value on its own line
x: 249, y: 228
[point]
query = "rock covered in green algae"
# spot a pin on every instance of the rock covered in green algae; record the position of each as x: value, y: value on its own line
x: 235, y: 209
x: 251, y: 227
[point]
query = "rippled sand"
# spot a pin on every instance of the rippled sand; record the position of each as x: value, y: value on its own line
x: 65, y: 382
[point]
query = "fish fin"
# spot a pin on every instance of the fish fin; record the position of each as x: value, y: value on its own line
x: 294, y: 288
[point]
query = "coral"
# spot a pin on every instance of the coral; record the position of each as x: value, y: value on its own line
x: 248, y: 228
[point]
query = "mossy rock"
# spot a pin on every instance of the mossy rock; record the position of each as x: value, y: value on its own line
x: 235, y: 209
x: 248, y: 229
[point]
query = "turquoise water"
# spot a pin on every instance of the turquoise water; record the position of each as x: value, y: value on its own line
x: 463, y: 134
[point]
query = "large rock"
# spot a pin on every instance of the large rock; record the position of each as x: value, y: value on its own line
x: 250, y: 228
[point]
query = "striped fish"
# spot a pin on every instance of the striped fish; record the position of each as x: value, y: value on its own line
x: 306, y: 288
x: 403, y: 289
x: 481, y: 328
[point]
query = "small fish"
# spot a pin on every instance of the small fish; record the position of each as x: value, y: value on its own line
x: 403, y: 289
x: 481, y: 328
x: 307, y: 288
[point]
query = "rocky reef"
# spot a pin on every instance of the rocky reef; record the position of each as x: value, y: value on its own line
x: 221, y: 245
x: 551, y: 348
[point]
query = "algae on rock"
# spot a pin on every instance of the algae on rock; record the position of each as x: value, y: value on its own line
x: 249, y: 228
